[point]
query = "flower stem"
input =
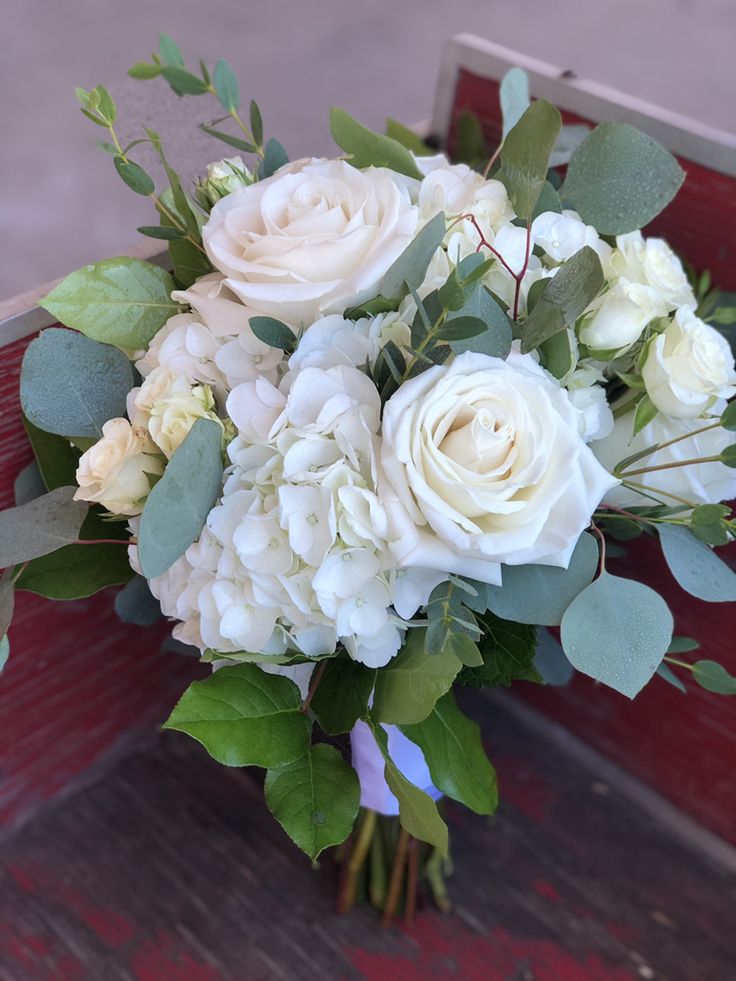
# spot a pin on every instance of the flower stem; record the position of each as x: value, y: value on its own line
x: 356, y: 861
x: 313, y: 685
x: 397, y: 877
x: 671, y: 466
x: 412, y: 878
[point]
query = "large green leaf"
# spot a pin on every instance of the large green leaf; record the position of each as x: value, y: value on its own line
x: 57, y: 459
x: 177, y: 507
x: 315, y: 799
x: 408, y: 687
x: 565, y: 298
x: 540, y: 594
x: 696, y: 566
x: 453, y: 750
x: 120, y: 301
x: 71, y: 385
x: 525, y: 155
x: 77, y: 571
x: 418, y: 813
x: 341, y: 697
x: 619, y: 178
x: 617, y: 631
x: 508, y: 651
x: 368, y: 149
x: 41, y: 526
x: 244, y: 717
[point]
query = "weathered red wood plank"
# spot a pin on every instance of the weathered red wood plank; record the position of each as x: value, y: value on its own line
x: 684, y: 747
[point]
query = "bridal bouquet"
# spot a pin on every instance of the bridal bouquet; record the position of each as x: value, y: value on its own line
x: 367, y: 433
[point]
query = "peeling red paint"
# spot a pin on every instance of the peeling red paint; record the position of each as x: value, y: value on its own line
x: 167, y: 959
x: 546, y: 890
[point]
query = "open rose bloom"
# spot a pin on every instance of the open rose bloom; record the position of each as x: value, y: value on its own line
x: 368, y: 440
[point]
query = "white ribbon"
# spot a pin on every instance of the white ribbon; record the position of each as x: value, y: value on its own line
x: 368, y: 762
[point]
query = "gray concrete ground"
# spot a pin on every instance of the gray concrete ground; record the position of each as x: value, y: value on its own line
x: 62, y: 205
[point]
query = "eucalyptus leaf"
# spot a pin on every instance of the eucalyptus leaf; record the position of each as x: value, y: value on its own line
x: 695, y: 565
x: 453, y: 750
x: 134, y: 176
x: 256, y: 122
x: 167, y: 233
x: 169, y: 51
x: 410, y: 684
x: 714, y: 677
x: 29, y: 485
x: 143, y: 71
x: 567, y: 143
x: 525, y: 155
x: 41, y: 526
x: 540, y: 594
x: 341, y: 698
x: 71, y: 385
x: 565, y: 298
x: 315, y: 799
x: 244, y: 717
x: 514, y: 97
x: 135, y: 603
x: 408, y: 271
x: 7, y: 603
x: 617, y: 631
x: 368, y: 149
x: 273, y: 332
x: 408, y: 138
x: 183, y: 82
x: 274, y: 157
x: 234, y: 141
x: 496, y: 339
x: 120, y: 301
x: 4, y: 651
x: 665, y: 671
x: 418, y: 813
x: 619, y: 178
x: 177, y: 507
x: 226, y: 86
x: 550, y: 660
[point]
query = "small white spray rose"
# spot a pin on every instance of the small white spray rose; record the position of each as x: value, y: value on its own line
x: 115, y: 471
x: 562, y: 235
x: 651, y: 262
x: 688, y: 367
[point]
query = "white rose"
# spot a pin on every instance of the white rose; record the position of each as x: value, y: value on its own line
x: 456, y: 190
x: 115, y: 471
x: 484, y: 464
x: 618, y: 317
x: 562, y: 235
x: 594, y: 412
x: 651, y: 262
x: 701, y: 483
x: 688, y: 367
x: 313, y: 239
x: 172, y: 418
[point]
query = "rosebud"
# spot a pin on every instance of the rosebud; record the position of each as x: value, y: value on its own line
x: 222, y: 179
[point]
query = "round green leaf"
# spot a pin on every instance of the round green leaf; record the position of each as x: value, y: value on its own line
x: 120, y: 301
x: 619, y: 178
x: 696, y: 566
x: 71, y: 385
x: 40, y: 527
x: 244, y: 717
x: 540, y: 594
x: 315, y: 799
x: 617, y: 631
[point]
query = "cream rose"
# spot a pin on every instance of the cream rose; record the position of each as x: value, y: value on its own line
x: 484, y: 465
x: 313, y: 239
x: 115, y: 471
x: 167, y: 406
x: 698, y: 483
x: 618, y: 317
x: 651, y: 262
x: 688, y: 367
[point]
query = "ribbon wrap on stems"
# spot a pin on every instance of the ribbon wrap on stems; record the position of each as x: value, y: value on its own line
x: 368, y: 763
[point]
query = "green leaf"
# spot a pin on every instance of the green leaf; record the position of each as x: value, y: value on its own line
x: 134, y: 176
x: 120, y: 301
x: 408, y: 271
x: 495, y: 341
x: 273, y: 332
x: 550, y: 660
x: 465, y: 649
x: 713, y: 677
x: 4, y: 651
x: 525, y: 155
x: 315, y: 799
x: 71, y: 385
x: 274, y: 157
x: 565, y: 298
x: 78, y: 571
x: 453, y: 750
x: 341, y: 698
x: 514, y: 97
x: 728, y: 456
x: 617, y: 631
x: 169, y: 51
x: 256, y: 122
x: 540, y: 594
x: 470, y: 143
x: 645, y: 411
x: 228, y: 138
x: 177, y: 507
x: 7, y: 603
x: 408, y: 138
x: 681, y: 645
x: 508, y: 651
x: 166, y: 232
x: 410, y: 684
x: 105, y: 104
x: 40, y: 527
x: 618, y: 179
x: 368, y: 149
x: 226, y: 86
x: 183, y: 82
x: 559, y: 354
x: 695, y: 565
x: 28, y: 485
x: 418, y: 813
x: 549, y: 200
x: 244, y: 717
x: 728, y: 419
x: 460, y: 329
x: 142, y: 70
x: 189, y: 262
x: 135, y: 603
x: 666, y: 672
x: 567, y: 143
